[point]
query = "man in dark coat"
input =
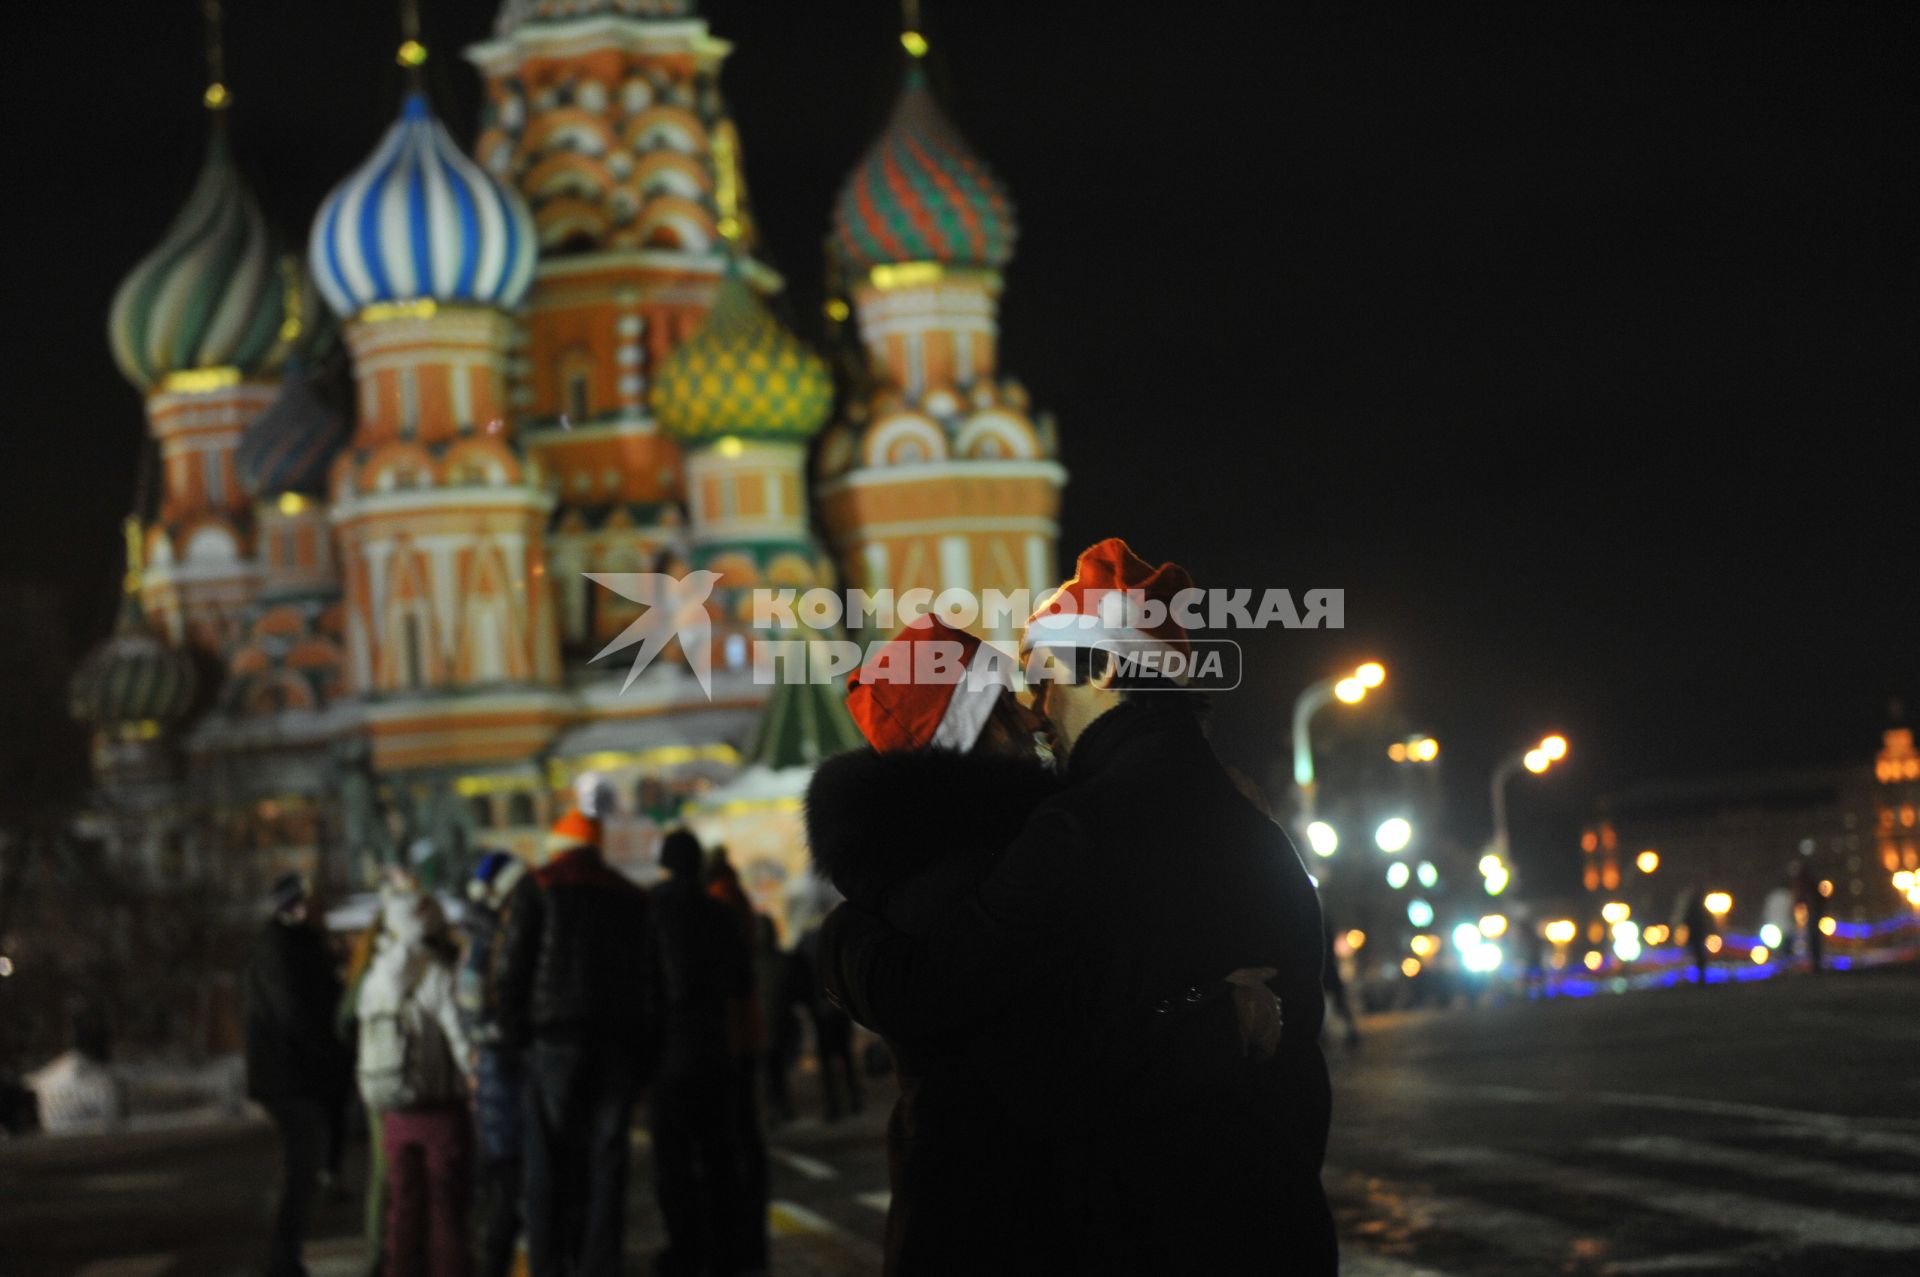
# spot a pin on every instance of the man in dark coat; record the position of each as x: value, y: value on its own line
x: 296, y: 1067
x: 706, y: 973
x: 579, y: 995
x: 1155, y: 941
x: 904, y: 830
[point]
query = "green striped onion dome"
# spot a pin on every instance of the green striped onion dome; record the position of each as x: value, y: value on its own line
x: 290, y: 447
x: 802, y: 723
x: 922, y: 195
x: 134, y: 677
x: 742, y: 374
x: 219, y: 292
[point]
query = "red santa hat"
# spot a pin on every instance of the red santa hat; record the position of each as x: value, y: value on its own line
x: 929, y: 686
x: 1114, y: 601
x: 572, y: 830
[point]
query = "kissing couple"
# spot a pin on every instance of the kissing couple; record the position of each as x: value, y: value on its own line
x: 1100, y: 979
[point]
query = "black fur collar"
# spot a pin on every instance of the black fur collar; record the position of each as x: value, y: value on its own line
x: 874, y: 819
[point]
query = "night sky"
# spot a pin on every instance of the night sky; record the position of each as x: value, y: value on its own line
x: 1576, y: 341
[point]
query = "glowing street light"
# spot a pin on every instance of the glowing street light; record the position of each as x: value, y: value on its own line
x: 1348, y: 689
x: 1419, y: 913
x: 1322, y: 838
x: 1770, y: 936
x: 1647, y: 861
x: 1429, y: 876
x: 1560, y: 931
x: 1414, y: 749
x: 1536, y: 760
x: 1393, y: 835
x: 1493, y: 926
x: 1719, y: 903
x: 1615, y: 911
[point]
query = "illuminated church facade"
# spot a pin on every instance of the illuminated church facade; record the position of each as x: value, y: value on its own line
x: 358, y: 608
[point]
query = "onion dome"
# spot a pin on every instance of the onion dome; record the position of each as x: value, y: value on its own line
x: 421, y: 221
x: 290, y: 446
x: 218, y: 292
x: 742, y: 374
x: 922, y: 195
x: 135, y: 677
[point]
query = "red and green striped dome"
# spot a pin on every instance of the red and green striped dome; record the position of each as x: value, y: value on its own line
x: 922, y: 195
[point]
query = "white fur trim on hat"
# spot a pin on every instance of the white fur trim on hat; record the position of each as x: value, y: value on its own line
x: 988, y: 674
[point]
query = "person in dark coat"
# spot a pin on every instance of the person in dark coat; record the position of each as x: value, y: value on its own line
x: 1154, y: 942
x: 1699, y: 925
x: 1812, y: 908
x: 705, y: 971
x: 905, y: 829
x: 500, y: 882
x: 297, y: 1068
x: 580, y: 997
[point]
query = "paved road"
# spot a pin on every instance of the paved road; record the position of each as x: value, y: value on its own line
x: 1766, y: 1129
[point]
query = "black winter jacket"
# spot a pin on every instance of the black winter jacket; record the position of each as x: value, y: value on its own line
x: 579, y: 963
x: 907, y: 835
x: 1103, y: 937
x: 292, y: 994
x: 705, y: 971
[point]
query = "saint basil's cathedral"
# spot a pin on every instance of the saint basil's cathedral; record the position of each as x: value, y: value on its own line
x: 357, y: 616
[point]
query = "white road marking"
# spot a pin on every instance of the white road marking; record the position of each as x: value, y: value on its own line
x: 1766, y: 1164
x: 1858, y: 1141
x: 811, y: 1167
x: 1534, y: 1236
x: 788, y: 1218
x: 881, y: 1201
x: 1361, y: 1263
x: 1740, y: 1259
x: 1676, y: 1103
x: 1719, y: 1207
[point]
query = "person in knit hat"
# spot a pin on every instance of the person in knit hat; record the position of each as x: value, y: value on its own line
x: 905, y: 829
x: 1152, y: 942
x: 580, y: 997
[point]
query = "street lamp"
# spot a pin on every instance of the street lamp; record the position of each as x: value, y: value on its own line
x: 1348, y: 689
x: 1536, y: 760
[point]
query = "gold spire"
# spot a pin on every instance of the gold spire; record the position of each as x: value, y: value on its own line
x: 135, y: 553
x: 412, y: 54
x: 216, y: 98
x: 726, y: 180
x: 911, y: 38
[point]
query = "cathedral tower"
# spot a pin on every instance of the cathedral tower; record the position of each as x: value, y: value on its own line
x: 606, y: 116
x: 441, y: 517
x: 939, y: 476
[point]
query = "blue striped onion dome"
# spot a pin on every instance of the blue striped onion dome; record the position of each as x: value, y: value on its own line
x: 290, y: 446
x: 741, y: 374
x: 420, y: 220
x: 134, y: 677
x: 218, y: 292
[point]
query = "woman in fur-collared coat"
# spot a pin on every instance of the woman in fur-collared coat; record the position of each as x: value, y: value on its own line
x: 905, y: 829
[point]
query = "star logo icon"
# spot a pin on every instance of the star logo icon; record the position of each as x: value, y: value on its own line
x: 676, y: 608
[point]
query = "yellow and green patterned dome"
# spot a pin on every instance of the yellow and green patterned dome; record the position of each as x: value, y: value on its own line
x: 742, y: 374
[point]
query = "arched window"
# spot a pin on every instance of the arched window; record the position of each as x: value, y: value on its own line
x: 481, y: 808
x: 520, y: 809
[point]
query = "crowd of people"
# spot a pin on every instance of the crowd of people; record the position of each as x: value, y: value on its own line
x: 1095, y: 960
x: 500, y: 1061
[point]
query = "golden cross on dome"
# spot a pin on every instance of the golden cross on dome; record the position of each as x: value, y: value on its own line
x: 412, y: 54
x: 216, y: 98
x: 911, y: 38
